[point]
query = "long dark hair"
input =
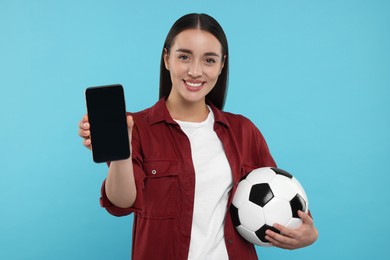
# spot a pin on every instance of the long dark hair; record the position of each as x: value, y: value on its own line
x: 206, y: 23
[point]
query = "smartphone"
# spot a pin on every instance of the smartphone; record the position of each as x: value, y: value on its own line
x: 107, y: 118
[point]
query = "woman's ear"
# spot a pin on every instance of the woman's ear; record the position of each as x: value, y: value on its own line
x: 166, y: 58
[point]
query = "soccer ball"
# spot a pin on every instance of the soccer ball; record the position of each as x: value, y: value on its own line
x: 267, y: 196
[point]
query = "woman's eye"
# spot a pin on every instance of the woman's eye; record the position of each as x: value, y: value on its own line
x: 183, y: 57
x: 210, y: 61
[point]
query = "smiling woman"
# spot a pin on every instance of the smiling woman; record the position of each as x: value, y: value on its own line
x: 188, y: 156
x: 204, y: 23
x: 312, y: 75
x: 194, y: 61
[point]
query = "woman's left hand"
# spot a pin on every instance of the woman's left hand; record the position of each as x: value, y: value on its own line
x: 288, y: 238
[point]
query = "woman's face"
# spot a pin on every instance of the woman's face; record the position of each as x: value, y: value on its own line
x: 194, y: 62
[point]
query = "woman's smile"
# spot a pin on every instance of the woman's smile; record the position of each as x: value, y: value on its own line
x: 193, y: 85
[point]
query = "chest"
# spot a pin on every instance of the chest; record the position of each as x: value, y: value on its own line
x: 171, y: 146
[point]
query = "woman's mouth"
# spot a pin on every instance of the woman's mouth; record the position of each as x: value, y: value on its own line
x: 193, y: 85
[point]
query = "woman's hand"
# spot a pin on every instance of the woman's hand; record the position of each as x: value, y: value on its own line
x: 288, y: 238
x: 84, y: 132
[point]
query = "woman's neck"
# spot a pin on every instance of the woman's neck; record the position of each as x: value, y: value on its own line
x: 187, y: 111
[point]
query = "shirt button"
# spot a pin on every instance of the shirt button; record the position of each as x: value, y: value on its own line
x: 154, y: 171
x: 230, y: 242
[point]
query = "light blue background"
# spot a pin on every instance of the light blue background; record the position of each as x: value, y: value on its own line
x: 313, y: 75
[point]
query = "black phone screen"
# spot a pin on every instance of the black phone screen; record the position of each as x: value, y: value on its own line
x: 107, y: 117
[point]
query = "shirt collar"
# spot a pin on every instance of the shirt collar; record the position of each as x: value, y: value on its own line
x: 159, y: 113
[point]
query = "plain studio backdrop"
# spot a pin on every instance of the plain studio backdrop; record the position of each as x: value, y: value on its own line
x: 314, y: 76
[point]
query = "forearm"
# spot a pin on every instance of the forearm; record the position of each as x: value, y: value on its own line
x: 120, y: 185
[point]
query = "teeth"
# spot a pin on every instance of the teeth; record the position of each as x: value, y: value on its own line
x: 193, y: 84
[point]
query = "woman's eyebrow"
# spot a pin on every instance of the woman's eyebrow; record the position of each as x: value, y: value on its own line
x: 211, y: 54
x: 184, y: 50
x: 190, y: 52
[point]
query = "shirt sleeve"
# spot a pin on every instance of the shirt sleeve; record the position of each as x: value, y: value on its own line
x: 259, y: 153
x: 111, y: 208
x: 266, y: 159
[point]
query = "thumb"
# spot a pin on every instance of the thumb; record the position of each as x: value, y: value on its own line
x: 305, y: 217
x: 130, y: 121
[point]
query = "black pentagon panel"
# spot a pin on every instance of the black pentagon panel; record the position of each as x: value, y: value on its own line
x: 234, y: 215
x: 261, y: 232
x: 297, y: 203
x: 282, y: 172
x: 261, y: 194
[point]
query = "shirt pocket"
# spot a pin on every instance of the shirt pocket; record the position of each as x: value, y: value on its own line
x: 160, y: 191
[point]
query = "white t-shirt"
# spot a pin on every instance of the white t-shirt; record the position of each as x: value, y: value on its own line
x: 213, y: 181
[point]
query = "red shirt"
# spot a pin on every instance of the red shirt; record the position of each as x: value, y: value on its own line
x: 165, y: 181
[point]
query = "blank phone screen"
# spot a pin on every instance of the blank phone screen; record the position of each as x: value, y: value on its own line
x: 107, y: 117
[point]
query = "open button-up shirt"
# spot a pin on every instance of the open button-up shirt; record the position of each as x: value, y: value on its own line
x: 165, y: 181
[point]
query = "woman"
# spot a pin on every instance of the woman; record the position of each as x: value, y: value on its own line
x: 188, y: 157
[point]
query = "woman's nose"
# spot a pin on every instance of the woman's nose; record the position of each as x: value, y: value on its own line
x: 195, y: 69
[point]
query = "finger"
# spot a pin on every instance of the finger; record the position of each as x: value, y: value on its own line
x: 87, y: 143
x: 305, y: 217
x: 85, y: 118
x: 277, y: 243
x: 284, y: 231
x: 84, y: 133
x: 130, y: 121
x: 84, y: 123
x: 280, y: 240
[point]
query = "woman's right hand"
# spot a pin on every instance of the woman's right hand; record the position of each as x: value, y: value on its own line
x: 84, y: 132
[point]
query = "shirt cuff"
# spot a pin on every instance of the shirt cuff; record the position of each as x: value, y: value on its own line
x: 111, y: 208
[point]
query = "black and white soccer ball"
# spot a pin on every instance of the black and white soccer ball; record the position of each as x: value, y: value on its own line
x: 267, y: 196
